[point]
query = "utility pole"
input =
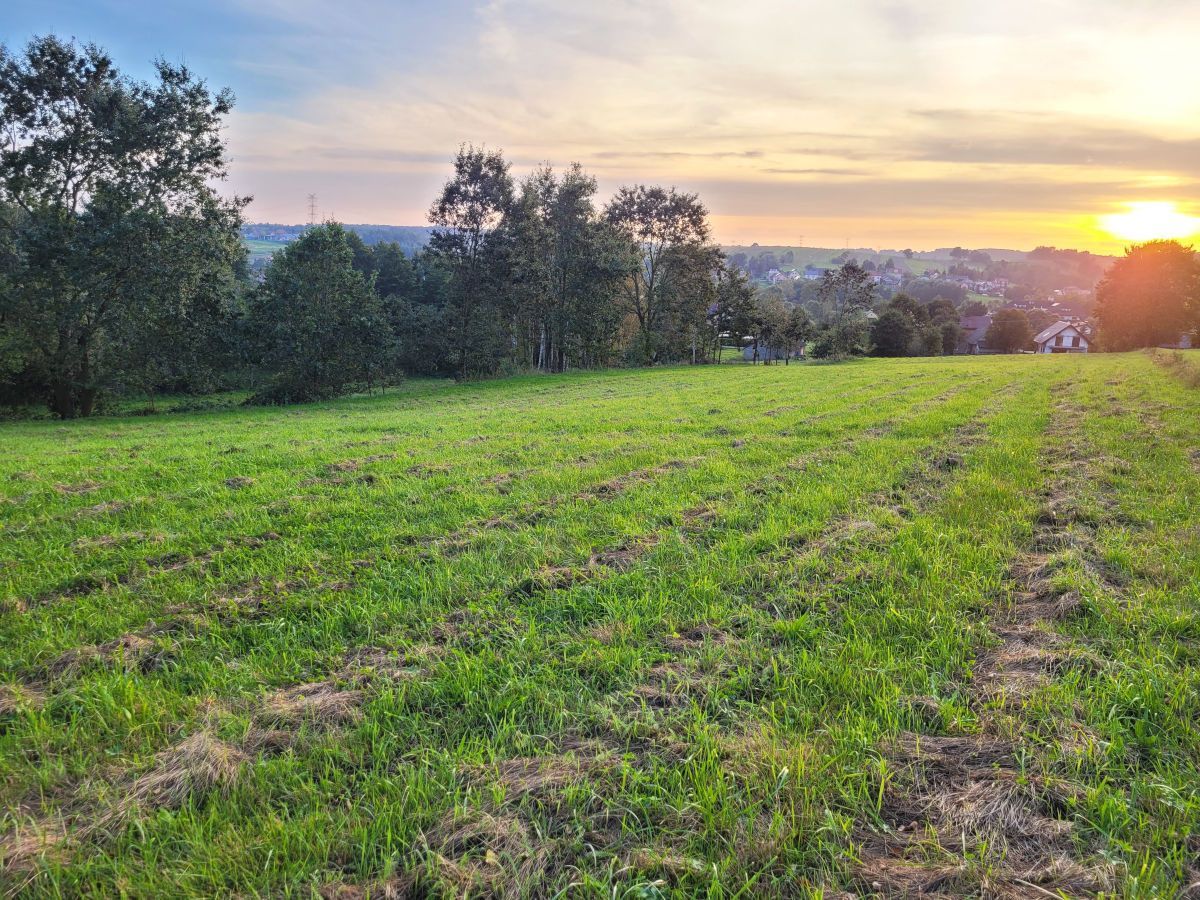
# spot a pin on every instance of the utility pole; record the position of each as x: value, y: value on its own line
x: 312, y: 209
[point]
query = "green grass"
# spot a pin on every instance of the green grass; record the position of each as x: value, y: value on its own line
x: 262, y: 249
x: 783, y: 631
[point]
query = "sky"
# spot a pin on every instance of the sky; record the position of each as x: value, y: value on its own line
x: 859, y: 123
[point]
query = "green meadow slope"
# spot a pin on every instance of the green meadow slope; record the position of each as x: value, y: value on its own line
x: 877, y: 627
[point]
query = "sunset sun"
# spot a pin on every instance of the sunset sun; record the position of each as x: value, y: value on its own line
x: 1147, y: 221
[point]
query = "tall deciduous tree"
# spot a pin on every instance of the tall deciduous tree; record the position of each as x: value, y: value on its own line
x: 797, y: 332
x: 467, y: 217
x: 668, y: 286
x: 1150, y: 296
x: 565, y: 268
x: 122, y: 247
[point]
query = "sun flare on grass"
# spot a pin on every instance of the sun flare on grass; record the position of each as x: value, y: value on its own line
x: 1150, y: 220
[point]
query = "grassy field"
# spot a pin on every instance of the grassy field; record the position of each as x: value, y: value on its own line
x: 823, y: 256
x: 877, y: 627
x: 262, y: 250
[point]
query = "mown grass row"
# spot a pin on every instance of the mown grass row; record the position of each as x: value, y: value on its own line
x: 1122, y: 729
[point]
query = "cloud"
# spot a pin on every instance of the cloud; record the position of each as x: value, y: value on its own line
x: 950, y: 114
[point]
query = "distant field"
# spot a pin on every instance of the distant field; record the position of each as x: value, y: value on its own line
x: 881, y: 627
x: 822, y: 256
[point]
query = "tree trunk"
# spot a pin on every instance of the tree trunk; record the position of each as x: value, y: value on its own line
x: 62, y: 400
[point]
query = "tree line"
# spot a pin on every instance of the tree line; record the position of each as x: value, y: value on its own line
x: 123, y: 272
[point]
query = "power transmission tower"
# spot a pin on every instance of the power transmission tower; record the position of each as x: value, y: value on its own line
x: 312, y: 209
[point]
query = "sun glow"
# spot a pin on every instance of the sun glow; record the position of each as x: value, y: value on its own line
x: 1148, y: 221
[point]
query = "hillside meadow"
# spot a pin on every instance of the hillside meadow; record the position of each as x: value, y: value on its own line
x: 875, y: 628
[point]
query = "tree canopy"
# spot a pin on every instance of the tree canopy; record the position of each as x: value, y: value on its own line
x: 121, y: 253
x: 1009, y: 331
x: 1150, y: 296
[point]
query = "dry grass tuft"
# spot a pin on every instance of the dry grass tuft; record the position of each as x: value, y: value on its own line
x: 320, y: 702
x: 397, y: 887
x: 82, y: 487
x: 109, y: 506
x: 480, y: 854
x: 25, y: 846
x: 197, y: 765
x: 669, y: 862
x: 16, y: 698
x: 239, y: 481
x: 134, y: 652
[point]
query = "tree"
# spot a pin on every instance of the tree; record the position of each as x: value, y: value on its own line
x: 941, y: 311
x: 1150, y: 296
x: 906, y: 304
x: 951, y: 334
x: 316, y: 323
x: 734, y: 310
x: 123, y: 249
x: 892, y: 333
x: 1009, y: 331
x: 928, y: 341
x: 667, y: 285
x: 846, y: 292
x: 797, y: 331
x: 466, y: 218
x: 770, y: 320
x: 840, y: 340
x: 566, y: 269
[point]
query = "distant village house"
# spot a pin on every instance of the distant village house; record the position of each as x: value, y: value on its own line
x: 1062, y: 337
x: 974, y: 330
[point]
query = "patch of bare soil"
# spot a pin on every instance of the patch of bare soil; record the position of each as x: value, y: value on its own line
x: 549, y: 578
x: 624, y: 555
x: 695, y: 637
x: 468, y: 629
